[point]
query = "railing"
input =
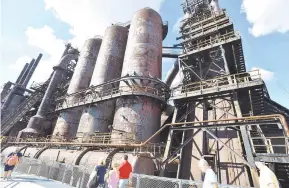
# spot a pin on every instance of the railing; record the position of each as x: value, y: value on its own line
x: 112, y: 89
x: 203, y: 20
x: 226, y: 82
x: 78, y: 175
x: 126, y: 140
x: 212, y: 42
x: 18, y: 113
x: 268, y: 143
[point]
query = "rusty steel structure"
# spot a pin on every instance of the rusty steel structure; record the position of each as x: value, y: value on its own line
x: 37, y: 122
x: 98, y: 117
x: 113, y: 102
x: 140, y: 114
x: 68, y: 120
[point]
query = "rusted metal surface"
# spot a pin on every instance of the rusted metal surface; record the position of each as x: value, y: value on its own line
x: 101, y: 136
x: 68, y: 120
x: 96, y: 94
x: 143, y: 56
x: 97, y: 117
x: 36, y: 123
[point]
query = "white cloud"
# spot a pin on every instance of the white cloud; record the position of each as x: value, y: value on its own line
x: 267, y: 16
x: 20, y: 62
x: 86, y: 18
x: 52, y: 48
x: 177, y: 24
x: 44, y: 39
x: 91, y: 17
x: 265, y: 74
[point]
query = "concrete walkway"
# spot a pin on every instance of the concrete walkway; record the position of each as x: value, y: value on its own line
x: 29, y: 181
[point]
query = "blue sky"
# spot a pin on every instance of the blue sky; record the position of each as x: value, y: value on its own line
x: 30, y: 27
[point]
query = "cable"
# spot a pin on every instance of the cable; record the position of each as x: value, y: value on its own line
x: 282, y: 87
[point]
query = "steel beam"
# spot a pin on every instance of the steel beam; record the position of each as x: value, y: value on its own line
x: 247, y: 144
x: 224, y: 125
x: 273, y: 158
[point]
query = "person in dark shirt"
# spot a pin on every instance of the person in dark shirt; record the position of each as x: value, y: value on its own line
x: 101, y: 171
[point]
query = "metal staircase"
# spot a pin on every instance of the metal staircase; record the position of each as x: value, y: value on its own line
x: 257, y: 98
x: 9, y: 121
x: 258, y: 139
x: 282, y: 173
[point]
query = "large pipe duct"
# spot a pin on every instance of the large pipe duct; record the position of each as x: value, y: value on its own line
x: 98, y: 117
x: 36, y: 123
x: 31, y: 71
x: 141, y: 115
x: 68, y: 120
x: 22, y: 73
x: 172, y: 73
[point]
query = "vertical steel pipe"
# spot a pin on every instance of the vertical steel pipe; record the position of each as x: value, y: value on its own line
x: 98, y: 117
x: 67, y: 122
x: 22, y: 73
x: 36, y: 123
x: 141, y: 115
x: 31, y: 71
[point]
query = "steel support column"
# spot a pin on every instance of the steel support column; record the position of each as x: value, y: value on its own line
x: 247, y: 145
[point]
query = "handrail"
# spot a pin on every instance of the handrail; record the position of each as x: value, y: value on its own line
x: 112, y: 93
x: 235, y: 79
x: 125, y: 78
x: 277, y: 116
x: 212, y: 40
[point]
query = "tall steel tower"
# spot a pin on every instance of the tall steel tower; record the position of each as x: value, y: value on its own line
x: 216, y: 90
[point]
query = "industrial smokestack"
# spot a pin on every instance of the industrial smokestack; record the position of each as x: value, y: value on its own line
x: 35, y: 124
x: 141, y: 115
x: 34, y: 64
x: 97, y: 117
x: 68, y: 120
x: 22, y: 79
x: 22, y: 73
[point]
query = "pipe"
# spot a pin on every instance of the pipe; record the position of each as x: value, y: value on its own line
x: 278, y: 116
x: 22, y: 79
x: 36, y: 122
x: 22, y: 72
x: 172, y: 73
x: 31, y: 71
x: 54, y: 82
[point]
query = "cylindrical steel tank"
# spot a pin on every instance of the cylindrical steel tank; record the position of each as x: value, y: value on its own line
x: 141, y: 115
x: 68, y: 120
x: 98, y: 117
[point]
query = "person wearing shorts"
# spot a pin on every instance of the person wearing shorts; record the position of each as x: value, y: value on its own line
x: 10, y: 164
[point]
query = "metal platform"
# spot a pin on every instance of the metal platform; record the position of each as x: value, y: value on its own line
x: 217, y: 85
x: 156, y: 89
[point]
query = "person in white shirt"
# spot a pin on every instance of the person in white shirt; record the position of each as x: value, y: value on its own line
x: 210, y: 180
x: 267, y: 178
